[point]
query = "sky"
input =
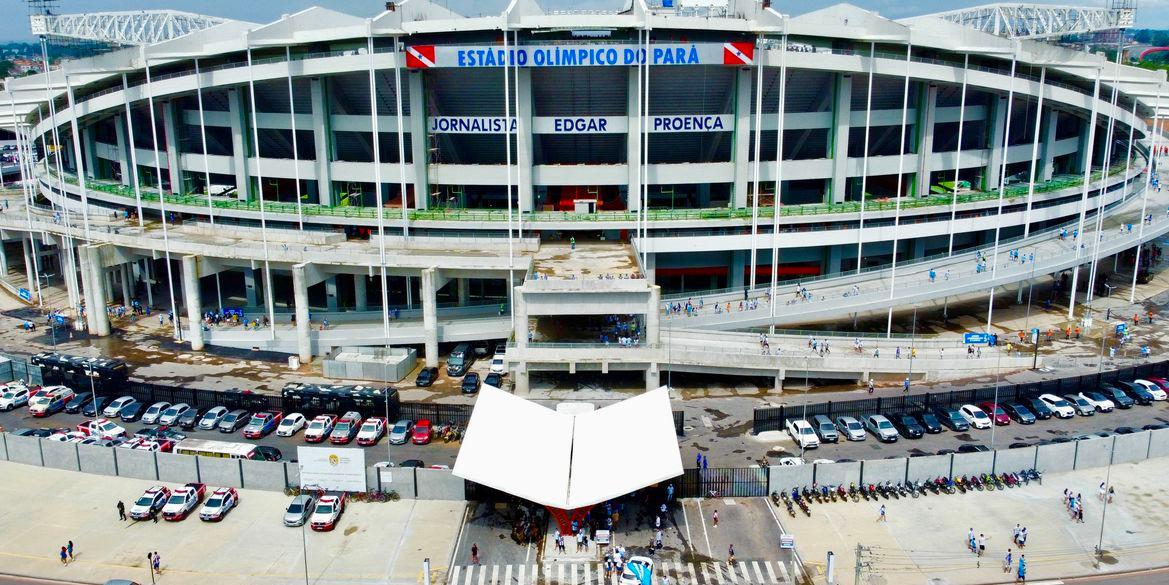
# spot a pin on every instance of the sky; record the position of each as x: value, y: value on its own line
x: 1151, y: 14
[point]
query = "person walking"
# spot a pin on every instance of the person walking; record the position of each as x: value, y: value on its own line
x: 157, y: 563
x: 970, y: 540
x: 64, y: 556
x: 1015, y: 536
x: 981, y: 544
x: 1021, y: 575
x: 1007, y: 562
x: 714, y: 518
x: 121, y: 511
x: 731, y: 555
x: 475, y: 554
x: 69, y: 548
x: 1022, y: 540
x: 882, y: 517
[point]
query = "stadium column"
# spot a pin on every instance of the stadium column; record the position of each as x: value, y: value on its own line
x: 321, y: 136
x: 193, y: 300
x: 523, y: 114
x: 92, y: 277
x: 360, y: 292
x: 123, y: 153
x: 331, y: 293
x: 250, y: 287
x: 418, y: 138
x: 304, y: 348
x: 998, y: 126
x: 430, y: 316
x: 925, y: 146
x: 843, y: 113
x: 29, y: 269
x: 172, y: 147
x: 239, y: 152
x: 1048, y: 168
x: 633, y: 140
x: 653, y: 335
x: 87, y: 143
x: 742, y: 144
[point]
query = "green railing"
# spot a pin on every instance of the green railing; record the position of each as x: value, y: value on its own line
x: 494, y: 215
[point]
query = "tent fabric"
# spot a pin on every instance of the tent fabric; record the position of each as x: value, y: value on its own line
x: 569, y: 461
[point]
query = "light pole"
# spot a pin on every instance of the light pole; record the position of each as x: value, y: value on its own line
x: 1104, y: 510
x: 807, y: 388
x: 912, y: 343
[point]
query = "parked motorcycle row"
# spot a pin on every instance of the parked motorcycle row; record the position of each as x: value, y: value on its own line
x: 803, y: 498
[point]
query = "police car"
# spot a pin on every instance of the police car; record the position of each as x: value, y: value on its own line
x: 221, y: 502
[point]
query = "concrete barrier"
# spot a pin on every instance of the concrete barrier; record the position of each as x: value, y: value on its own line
x: 1159, y: 443
x: 928, y: 467
x: 220, y: 472
x: 24, y: 450
x: 292, y: 472
x: 1014, y: 460
x: 1055, y: 457
x: 177, y: 468
x: 1095, y: 452
x: 844, y: 474
x: 133, y: 463
x: 4, y: 446
x: 96, y: 459
x: 973, y: 463
x: 1130, y: 448
x: 263, y: 475
x: 60, y: 455
x: 783, y: 478
x: 878, y: 471
x: 398, y: 479
x: 441, y: 484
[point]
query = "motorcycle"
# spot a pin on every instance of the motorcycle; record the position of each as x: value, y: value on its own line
x: 960, y: 484
x: 852, y: 492
x: 843, y: 493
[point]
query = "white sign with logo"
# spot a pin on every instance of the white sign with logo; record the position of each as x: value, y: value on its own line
x: 733, y: 53
x: 329, y: 468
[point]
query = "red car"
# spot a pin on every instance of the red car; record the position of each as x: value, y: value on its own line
x: 421, y: 433
x: 263, y: 423
x: 996, y: 413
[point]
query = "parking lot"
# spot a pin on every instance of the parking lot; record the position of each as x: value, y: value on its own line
x: 373, y: 543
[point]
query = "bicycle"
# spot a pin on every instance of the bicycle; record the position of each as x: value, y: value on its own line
x: 292, y: 491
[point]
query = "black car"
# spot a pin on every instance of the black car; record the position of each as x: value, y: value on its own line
x: 1018, y: 445
x: 494, y: 379
x: 1125, y: 430
x: 1138, y: 393
x: 946, y: 451
x: 953, y: 419
x: 1038, y: 408
x: 1154, y: 427
x: 80, y: 401
x: 132, y: 412
x: 1117, y: 396
x: 471, y: 383
x: 930, y: 422
x: 412, y: 463
x: 189, y: 419
x: 426, y: 377
x: 266, y: 453
x: 93, y: 408
x: 906, y: 425
x: 1019, y: 413
x: 977, y: 448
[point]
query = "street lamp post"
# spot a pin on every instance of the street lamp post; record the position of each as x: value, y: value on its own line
x: 1104, y: 509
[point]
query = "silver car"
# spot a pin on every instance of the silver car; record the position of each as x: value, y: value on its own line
x: 172, y: 414
x: 299, y: 510
x: 154, y: 412
x: 400, y: 434
x: 881, y: 428
x: 851, y: 428
x: 211, y: 418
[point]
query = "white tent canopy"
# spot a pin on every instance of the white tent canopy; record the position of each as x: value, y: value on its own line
x: 569, y: 461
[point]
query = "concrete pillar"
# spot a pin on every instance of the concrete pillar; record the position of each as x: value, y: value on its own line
x: 322, y: 136
x: 653, y: 377
x: 108, y: 280
x: 653, y: 316
x: 172, y: 147
x: 521, y: 382
x: 998, y: 126
x: 90, y: 323
x: 127, y: 286
x: 88, y: 144
x: 738, y: 266
x: 331, y: 293
x: 742, y: 145
x: 73, y: 288
x: 779, y: 378
x: 239, y: 142
x: 3, y: 260
x: 633, y: 141
x: 521, y: 318
x: 360, y: 292
x: 123, y: 149
x: 839, y: 154
x: 194, y: 301
x: 523, y: 113
x: 464, y: 287
x: 148, y: 265
x: 300, y: 298
x: 250, y: 287
x: 651, y: 268
x: 835, y: 259
x: 1047, y: 166
x: 29, y: 268
x: 95, y: 300
x: 925, y: 147
x: 430, y: 316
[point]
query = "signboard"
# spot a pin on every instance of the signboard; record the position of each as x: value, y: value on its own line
x: 787, y: 541
x: 330, y: 468
x: 975, y: 338
x: 602, y: 537
x: 580, y: 124
x: 24, y: 294
x: 579, y: 55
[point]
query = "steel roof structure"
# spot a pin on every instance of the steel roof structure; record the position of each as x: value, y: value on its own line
x: 1039, y: 21
x: 139, y: 27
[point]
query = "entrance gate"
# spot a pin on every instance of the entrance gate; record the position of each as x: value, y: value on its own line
x: 724, y: 482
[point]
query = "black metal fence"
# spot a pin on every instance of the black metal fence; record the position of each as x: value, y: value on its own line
x: 773, y: 418
x: 724, y: 482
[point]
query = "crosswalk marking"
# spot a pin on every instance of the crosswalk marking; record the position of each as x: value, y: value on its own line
x: 455, y: 574
x: 523, y: 575
x: 770, y: 572
x: 693, y: 579
x: 483, y: 576
x: 469, y: 574
x: 782, y: 570
x: 758, y: 571
x: 507, y: 575
x: 746, y: 572
x: 494, y: 574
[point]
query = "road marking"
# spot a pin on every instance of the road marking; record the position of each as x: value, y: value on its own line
x: 693, y: 577
x: 459, y: 541
x: 706, y: 422
x: 746, y: 572
x: 470, y: 572
x: 758, y: 571
x: 783, y: 571
x: 523, y: 575
x: 729, y: 501
x: 572, y: 572
x: 686, y: 520
x: 454, y: 577
x: 482, y: 576
x: 495, y: 574
x: 770, y: 571
x: 705, y: 575
x: 507, y: 575
x: 560, y: 573
x: 718, y: 573
x: 535, y: 574
x: 732, y: 573
x: 705, y: 534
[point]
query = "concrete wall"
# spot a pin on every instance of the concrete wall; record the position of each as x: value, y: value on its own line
x: 60, y: 455
x: 95, y: 459
x: 401, y: 480
x: 973, y: 463
x: 220, y: 472
x: 1014, y: 460
x: 177, y: 468
x: 1159, y: 443
x: 139, y: 464
x: 784, y: 478
x: 878, y: 471
x: 292, y: 471
x: 838, y: 473
x: 441, y: 484
x: 263, y: 475
x: 24, y: 450
x: 4, y: 446
x: 928, y: 467
x: 1057, y: 457
x: 1093, y: 452
x: 1130, y: 448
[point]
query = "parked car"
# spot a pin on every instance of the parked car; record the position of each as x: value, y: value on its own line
x: 263, y: 423
x: 470, y: 383
x: 131, y: 412
x: 327, y: 512
x: 996, y: 413
x: 421, y: 433
x: 233, y: 420
x: 189, y: 419
x: 221, y: 502
x: 183, y: 501
x: 952, y: 418
x: 881, y: 428
x: 49, y: 400
x: 150, y: 502
x: 802, y: 433
x: 290, y: 425
x: 1059, y: 407
x: 320, y: 427
x: 211, y: 419
x: 371, y: 430
x: 1081, y: 404
x: 973, y: 448
x: 116, y: 405
x: 825, y: 429
x: 400, y: 434
x: 1019, y: 413
x: 493, y: 379
x: 155, y: 411
x: 412, y: 463
x: 426, y: 377
x: 299, y: 509
x: 101, y: 428
x: 1137, y: 392
x: 171, y: 415
x: 1156, y: 386
x: 1117, y: 396
x: 74, y: 406
x: 907, y: 425
x: 974, y: 416
x: 851, y: 428
x: 13, y: 398
x: 1098, y: 401
x: 930, y: 422
x: 346, y: 428
x: 95, y: 407
x: 498, y: 365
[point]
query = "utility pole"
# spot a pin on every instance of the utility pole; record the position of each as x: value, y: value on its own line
x: 859, y: 550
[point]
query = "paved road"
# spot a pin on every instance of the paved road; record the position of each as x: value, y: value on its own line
x: 1153, y: 577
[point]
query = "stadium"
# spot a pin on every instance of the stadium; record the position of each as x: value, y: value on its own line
x: 675, y: 176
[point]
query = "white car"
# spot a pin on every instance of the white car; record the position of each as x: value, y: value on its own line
x: 802, y: 433
x: 1155, y: 389
x: 498, y: 366
x: 150, y: 502
x: 319, y: 428
x: 13, y: 397
x: 101, y: 428
x: 1098, y: 401
x: 210, y: 419
x: 113, y: 408
x: 69, y: 437
x: 791, y: 461
x: 327, y: 512
x: 975, y: 417
x: 1059, y: 407
x: 371, y: 430
x: 221, y: 502
x: 153, y: 413
x: 637, y: 571
x: 172, y: 414
x: 290, y: 425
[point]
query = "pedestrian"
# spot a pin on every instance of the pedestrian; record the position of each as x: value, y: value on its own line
x: 157, y: 563
x: 121, y: 511
x: 871, y: 386
x: 715, y: 518
x: 731, y: 555
x: 1111, y: 492
x: 670, y: 493
x: 154, y: 515
x: 64, y: 556
x: 981, y: 544
x: 1022, y: 540
x: 69, y: 547
x: 970, y: 540
x: 1021, y: 575
x: 1101, y: 492
x: 1015, y: 536
x: 882, y: 517
x: 1007, y: 562
x: 698, y: 460
x: 658, y: 540
x: 704, y: 461
x: 475, y: 554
